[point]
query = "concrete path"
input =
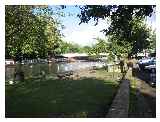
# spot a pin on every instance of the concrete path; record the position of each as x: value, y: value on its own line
x: 120, y: 105
x: 144, y: 105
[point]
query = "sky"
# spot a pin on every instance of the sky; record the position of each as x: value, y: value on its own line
x: 85, y: 34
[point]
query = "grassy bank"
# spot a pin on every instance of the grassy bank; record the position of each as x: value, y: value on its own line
x: 133, y: 98
x: 85, y: 97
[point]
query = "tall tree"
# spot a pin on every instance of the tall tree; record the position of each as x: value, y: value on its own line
x: 123, y: 28
x: 138, y: 41
x: 29, y: 34
x: 152, y: 39
x: 67, y: 47
x: 100, y: 47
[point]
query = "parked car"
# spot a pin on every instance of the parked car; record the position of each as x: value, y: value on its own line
x: 146, y: 62
x: 151, y: 69
x: 147, y: 67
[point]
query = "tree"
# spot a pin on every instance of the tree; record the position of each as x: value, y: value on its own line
x: 138, y: 41
x: 152, y: 39
x: 53, y: 36
x: 67, y: 47
x: 87, y: 49
x: 16, y: 19
x: 123, y: 28
x: 100, y: 47
x: 29, y: 34
x: 117, y: 48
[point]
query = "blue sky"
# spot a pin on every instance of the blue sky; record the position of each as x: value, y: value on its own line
x: 85, y: 34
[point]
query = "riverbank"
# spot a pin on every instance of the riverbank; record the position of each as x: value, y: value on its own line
x: 90, y: 95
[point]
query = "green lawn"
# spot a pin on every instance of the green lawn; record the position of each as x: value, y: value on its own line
x: 133, y: 97
x: 87, y: 97
x: 133, y: 103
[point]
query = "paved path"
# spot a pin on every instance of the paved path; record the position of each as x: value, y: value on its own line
x: 120, y: 105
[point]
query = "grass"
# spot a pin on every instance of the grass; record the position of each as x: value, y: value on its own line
x: 142, y: 105
x: 132, y: 98
x: 86, y: 97
x: 108, y: 75
x: 133, y: 102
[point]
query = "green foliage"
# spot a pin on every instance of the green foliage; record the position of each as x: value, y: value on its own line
x: 139, y: 40
x: 67, y: 47
x: 86, y: 49
x: 101, y: 46
x: 117, y: 48
x: 127, y: 33
x: 15, y: 28
x: 29, y: 34
x: 139, y: 37
x: 152, y: 40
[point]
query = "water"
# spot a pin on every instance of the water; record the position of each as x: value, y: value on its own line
x: 35, y: 70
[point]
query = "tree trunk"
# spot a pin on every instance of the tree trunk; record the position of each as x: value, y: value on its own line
x: 19, y: 74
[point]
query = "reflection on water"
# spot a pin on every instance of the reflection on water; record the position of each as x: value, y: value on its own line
x: 34, y: 70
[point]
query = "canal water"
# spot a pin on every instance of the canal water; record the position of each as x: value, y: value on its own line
x: 51, y: 69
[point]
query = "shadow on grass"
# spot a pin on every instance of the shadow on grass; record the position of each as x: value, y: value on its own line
x: 152, y: 103
x: 60, y: 98
x: 141, y: 105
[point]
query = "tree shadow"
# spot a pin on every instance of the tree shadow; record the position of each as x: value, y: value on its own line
x: 142, y: 105
x: 152, y: 103
x: 87, y: 97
